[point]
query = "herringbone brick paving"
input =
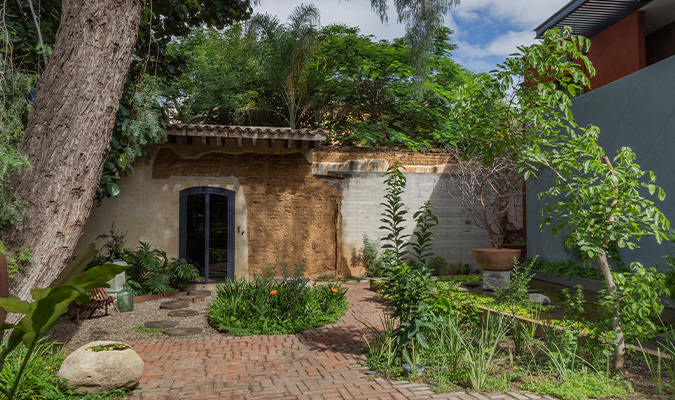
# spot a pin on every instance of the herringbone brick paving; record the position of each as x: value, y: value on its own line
x: 321, y: 364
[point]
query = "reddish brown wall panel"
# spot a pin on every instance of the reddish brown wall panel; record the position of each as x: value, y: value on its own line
x: 618, y: 50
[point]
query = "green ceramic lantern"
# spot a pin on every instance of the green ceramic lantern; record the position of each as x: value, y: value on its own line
x: 125, y: 299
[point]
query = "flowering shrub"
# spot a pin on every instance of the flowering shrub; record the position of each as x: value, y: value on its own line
x: 263, y: 306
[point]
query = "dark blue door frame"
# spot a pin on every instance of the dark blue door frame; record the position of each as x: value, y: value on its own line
x: 183, y: 223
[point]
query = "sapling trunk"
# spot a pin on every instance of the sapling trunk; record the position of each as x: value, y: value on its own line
x: 619, y: 344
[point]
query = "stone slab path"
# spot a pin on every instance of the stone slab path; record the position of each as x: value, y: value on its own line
x: 322, y: 364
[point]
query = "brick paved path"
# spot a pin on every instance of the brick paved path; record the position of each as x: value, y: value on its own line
x: 321, y: 364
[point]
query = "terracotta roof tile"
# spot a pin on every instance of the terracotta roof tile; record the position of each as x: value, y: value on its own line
x: 244, y: 131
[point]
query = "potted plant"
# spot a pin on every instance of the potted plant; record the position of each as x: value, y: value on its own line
x: 485, y: 190
x: 114, y: 244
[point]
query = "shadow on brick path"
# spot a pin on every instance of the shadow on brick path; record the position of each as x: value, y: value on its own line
x: 321, y: 364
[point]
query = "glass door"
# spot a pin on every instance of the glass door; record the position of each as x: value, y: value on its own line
x: 207, y: 231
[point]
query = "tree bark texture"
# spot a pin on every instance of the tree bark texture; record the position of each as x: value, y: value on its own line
x: 69, y: 129
x: 619, y: 344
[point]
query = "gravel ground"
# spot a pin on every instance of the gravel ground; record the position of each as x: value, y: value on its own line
x: 121, y: 328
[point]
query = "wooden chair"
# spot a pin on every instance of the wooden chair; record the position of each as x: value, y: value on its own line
x: 99, y: 299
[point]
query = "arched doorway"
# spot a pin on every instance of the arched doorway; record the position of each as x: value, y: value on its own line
x: 207, y: 231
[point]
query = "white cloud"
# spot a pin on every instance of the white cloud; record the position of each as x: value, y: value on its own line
x: 501, y: 46
x: 526, y: 14
x: 517, y: 17
x: 353, y: 13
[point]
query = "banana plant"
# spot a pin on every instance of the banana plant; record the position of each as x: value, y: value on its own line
x: 49, y: 304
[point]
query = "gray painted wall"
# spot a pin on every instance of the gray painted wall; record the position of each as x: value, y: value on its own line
x: 637, y: 111
x: 362, y: 193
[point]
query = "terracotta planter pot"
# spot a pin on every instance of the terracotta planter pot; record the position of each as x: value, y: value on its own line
x: 493, y: 259
x: 521, y: 247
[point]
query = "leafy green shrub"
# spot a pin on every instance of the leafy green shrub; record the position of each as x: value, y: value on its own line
x: 410, y: 289
x: 370, y: 258
x: 461, y: 268
x: 393, y: 215
x: 426, y: 220
x: 264, y: 305
x: 45, y: 311
x: 580, y: 385
x: 438, y: 265
x: 565, y: 268
x: 150, y: 271
x: 517, y: 292
x: 39, y: 380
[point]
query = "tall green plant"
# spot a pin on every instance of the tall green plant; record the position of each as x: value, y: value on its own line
x: 393, y: 215
x: 426, y: 220
x: 410, y: 289
x: 50, y: 303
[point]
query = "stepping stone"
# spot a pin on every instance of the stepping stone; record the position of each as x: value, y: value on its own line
x: 182, y: 313
x: 199, y: 293
x: 174, y: 305
x: 182, y: 331
x: 161, y: 324
x: 192, y: 299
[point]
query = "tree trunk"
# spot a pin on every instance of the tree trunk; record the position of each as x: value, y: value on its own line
x: 4, y: 286
x: 68, y: 134
x: 619, y: 345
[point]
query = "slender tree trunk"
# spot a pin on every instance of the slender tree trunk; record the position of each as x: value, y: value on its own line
x: 4, y: 286
x: 69, y: 129
x: 619, y: 345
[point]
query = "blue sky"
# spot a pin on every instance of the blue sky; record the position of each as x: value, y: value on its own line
x: 487, y: 31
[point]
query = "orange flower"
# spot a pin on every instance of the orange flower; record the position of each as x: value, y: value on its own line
x: 334, y: 290
x: 254, y: 285
x: 243, y: 308
x: 274, y: 292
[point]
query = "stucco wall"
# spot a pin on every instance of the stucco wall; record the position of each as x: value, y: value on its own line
x: 285, y: 205
x: 282, y: 210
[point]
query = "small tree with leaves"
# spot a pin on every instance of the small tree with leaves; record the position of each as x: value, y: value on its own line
x: 523, y: 108
x: 598, y: 203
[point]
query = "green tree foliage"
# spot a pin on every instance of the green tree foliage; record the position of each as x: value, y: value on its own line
x: 268, y: 74
x: 223, y: 79
x: 368, y: 94
x: 136, y: 128
x: 14, y: 108
x: 524, y: 107
x: 285, y: 52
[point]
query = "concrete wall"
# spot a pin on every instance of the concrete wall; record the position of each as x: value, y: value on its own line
x: 618, y: 50
x: 363, y: 190
x: 637, y: 111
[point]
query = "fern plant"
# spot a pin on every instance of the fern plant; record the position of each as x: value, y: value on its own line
x: 152, y: 273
